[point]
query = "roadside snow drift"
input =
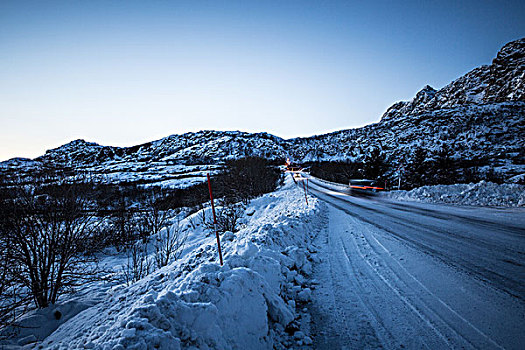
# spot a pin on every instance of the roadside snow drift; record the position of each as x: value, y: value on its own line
x: 480, y: 194
x: 195, y: 303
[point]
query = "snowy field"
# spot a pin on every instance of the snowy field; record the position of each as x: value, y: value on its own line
x: 146, y: 174
x: 254, y: 301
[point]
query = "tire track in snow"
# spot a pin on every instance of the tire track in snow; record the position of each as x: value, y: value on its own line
x: 343, y: 320
x: 498, y: 281
x: 451, y: 322
x: 424, y: 300
x: 400, y: 307
x: 439, y: 300
x: 357, y: 287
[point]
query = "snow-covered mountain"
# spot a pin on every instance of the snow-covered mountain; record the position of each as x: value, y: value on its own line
x: 479, y: 115
x: 502, y: 81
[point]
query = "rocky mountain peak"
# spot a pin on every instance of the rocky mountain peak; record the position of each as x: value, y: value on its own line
x: 427, y: 91
x: 507, y: 74
x: 78, y: 152
x: 511, y: 53
x: 424, y: 95
x: 74, y: 145
x: 502, y: 81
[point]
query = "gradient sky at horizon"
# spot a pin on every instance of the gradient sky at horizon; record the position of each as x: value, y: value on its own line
x: 125, y: 72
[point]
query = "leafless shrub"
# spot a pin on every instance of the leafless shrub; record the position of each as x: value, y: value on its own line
x: 167, y: 247
x: 228, y: 217
x: 205, y: 221
x: 138, y: 264
x: 192, y: 222
x: 123, y: 228
x: 169, y: 244
x: 12, y: 302
x: 246, y: 178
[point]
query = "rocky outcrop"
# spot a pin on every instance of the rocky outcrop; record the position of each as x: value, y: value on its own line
x: 502, y: 81
x: 507, y: 74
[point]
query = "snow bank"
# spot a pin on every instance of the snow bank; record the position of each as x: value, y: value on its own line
x: 249, y: 303
x: 39, y: 324
x: 479, y: 194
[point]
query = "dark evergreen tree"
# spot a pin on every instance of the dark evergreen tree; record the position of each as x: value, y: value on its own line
x: 416, y: 171
x: 374, y: 164
x: 339, y: 172
x: 444, y: 168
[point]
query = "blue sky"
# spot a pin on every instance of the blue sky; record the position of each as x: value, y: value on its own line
x: 126, y: 72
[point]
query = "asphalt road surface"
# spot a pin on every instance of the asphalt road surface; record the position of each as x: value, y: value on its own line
x: 409, y: 275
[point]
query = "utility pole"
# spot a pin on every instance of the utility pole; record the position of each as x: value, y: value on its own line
x: 400, y: 169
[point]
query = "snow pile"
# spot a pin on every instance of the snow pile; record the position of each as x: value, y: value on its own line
x: 479, y: 194
x: 253, y: 301
x: 38, y: 324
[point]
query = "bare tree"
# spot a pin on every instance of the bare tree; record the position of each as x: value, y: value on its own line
x: 169, y: 244
x: 12, y: 302
x: 44, y: 239
x: 246, y: 178
x: 124, y: 225
x: 152, y: 220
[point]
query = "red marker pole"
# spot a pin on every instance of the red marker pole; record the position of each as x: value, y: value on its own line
x: 214, y: 218
x: 305, y: 196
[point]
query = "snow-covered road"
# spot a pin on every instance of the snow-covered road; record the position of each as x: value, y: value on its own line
x: 418, y: 275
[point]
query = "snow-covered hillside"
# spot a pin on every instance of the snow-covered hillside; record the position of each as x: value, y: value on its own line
x: 254, y: 301
x: 479, y: 115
